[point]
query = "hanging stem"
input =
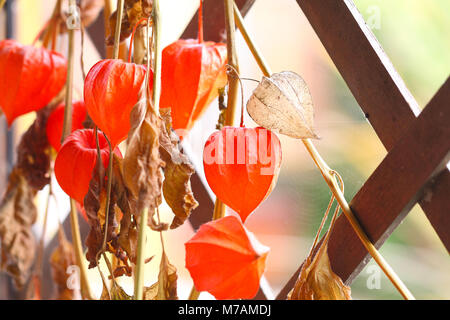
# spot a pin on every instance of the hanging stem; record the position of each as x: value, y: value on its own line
x: 200, y: 22
x: 132, y: 37
x: 330, y: 177
x: 118, y: 28
x: 67, y: 128
x: 156, y: 17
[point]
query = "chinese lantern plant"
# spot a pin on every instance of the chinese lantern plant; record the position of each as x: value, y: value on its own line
x: 192, y: 72
x: 30, y: 77
x: 76, y: 160
x: 111, y: 90
x: 242, y: 166
x: 225, y: 259
x: 55, y: 122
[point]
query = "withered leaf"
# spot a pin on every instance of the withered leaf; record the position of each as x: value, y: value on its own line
x: 283, y: 103
x: 33, y: 152
x: 117, y: 293
x: 318, y: 282
x: 177, y: 173
x: 17, y: 214
x: 142, y: 164
x: 95, y: 206
x: 61, y: 259
x: 135, y: 10
x: 166, y: 287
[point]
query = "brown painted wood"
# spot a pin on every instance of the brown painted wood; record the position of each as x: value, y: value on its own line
x: 402, y: 178
x: 379, y: 90
x: 437, y: 210
x: 363, y: 64
x: 214, y: 20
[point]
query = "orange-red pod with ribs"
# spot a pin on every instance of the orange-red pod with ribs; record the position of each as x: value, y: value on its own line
x: 111, y: 90
x: 242, y: 166
x: 192, y: 72
x: 225, y: 259
x: 76, y: 160
x: 55, y: 122
x: 30, y: 77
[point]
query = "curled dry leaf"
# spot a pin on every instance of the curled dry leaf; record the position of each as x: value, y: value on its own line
x: 95, y: 206
x: 17, y: 214
x: 61, y: 259
x: 135, y: 10
x: 318, y: 282
x: 166, y: 287
x: 33, y: 152
x: 177, y: 173
x: 142, y: 164
x: 282, y: 103
x: 116, y: 291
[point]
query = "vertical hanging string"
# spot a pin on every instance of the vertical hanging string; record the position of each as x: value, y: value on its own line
x: 200, y: 22
x: 132, y: 36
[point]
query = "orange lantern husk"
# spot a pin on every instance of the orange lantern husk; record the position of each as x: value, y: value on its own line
x: 55, y: 122
x: 30, y: 77
x: 76, y: 160
x: 111, y: 90
x: 242, y: 166
x: 192, y: 73
x: 225, y: 259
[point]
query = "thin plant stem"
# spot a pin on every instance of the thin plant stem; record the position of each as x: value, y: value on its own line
x: 132, y: 37
x: 140, y: 261
x: 157, y: 49
x: 67, y: 128
x: 330, y: 178
x: 79, y: 256
x: 120, y: 4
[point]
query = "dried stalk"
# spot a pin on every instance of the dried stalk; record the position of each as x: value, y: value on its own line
x: 67, y: 128
x: 329, y: 176
x: 120, y: 4
x: 157, y: 49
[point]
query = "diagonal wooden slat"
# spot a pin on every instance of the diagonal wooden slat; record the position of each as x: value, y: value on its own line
x: 393, y: 188
x: 372, y: 79
x: 214, y: 20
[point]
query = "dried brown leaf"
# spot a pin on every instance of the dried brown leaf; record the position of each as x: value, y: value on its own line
x: 95, y: 206
x: 17, y: 215
x: 142, y: 164
x: 166, y: 287
x: 33, y: 152
x: 135, y: 10
x: 117, y: 293
x: 318, y: 282
x: 177, y: 173
x: 283, y: 103
x: 61, y: 259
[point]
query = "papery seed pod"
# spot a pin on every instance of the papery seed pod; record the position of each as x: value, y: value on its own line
x: 282, y: 103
